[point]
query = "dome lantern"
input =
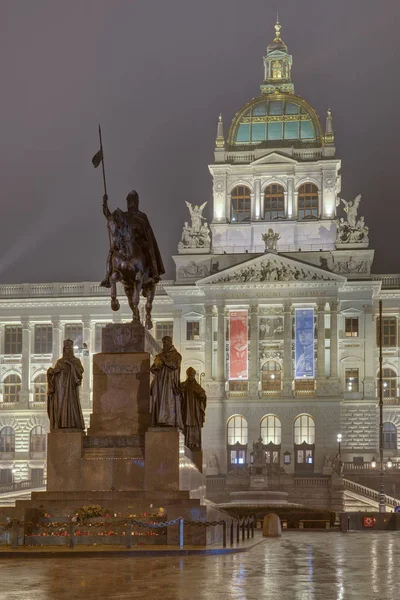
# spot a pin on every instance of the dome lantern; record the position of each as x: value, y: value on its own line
x: 277, y: 66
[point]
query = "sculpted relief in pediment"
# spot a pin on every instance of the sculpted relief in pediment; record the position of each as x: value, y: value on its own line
x: 270, y: 270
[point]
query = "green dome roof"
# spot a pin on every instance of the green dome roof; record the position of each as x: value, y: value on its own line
x: 275, y: 120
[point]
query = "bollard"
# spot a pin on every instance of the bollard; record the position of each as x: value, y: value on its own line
x: 231, y: 532
x: 180, y: 533
x: 252, y: 527
x: 243, y: 530
x: 348, y: 524
x: 14, y: 534
x: 238, y: 531
x: 224, y: 533
x: 71, y: 535
x: 248, y: 527
x: 129, y: 536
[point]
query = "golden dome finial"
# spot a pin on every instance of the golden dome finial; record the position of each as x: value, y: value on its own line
x: 277, y: 28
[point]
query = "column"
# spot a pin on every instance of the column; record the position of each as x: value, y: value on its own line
x: 177, y: 334
x: 26, y: 361
x: 86, y: 387
x: 289, y: 198
x: 287, y: 349
x: 256, y: 209
x: 253, y: 373
x: 208, y: 342
x: 334, y: 339
x: 221, y: 344
x: 369, y: 352
x: 321, y: 340
x: 56, y: 349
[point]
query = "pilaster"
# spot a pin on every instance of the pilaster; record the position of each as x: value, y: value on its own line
x: 287, y: 349
x: 56, y: 349
x: 369, y: 353
x: 256, y: 208
x: 334, y: 340
x: 86, y: 383
x: 208, y: 344
x: 253, y: 373
x: 220, y: 375
x: 26, y: 362
x: 290, y: 198
x: 177, y: 331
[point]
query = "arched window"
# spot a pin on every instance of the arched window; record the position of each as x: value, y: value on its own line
x: 271, y: 377
x: 274, y: 202
x: 389, y: 436
x: 237, y: 441
x: 241, y: 204
x: 271, y: 429
x: 389, y: 383
x: 12, y: 388
x: 237, y: 430
x: 307, y: 201
x: 304, y: 430
x: 40, y: 388
x: 38, y: 439
x: 7, y: 439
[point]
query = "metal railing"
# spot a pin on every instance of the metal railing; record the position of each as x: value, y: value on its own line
x: 119, y: 531
x: 367, y: 492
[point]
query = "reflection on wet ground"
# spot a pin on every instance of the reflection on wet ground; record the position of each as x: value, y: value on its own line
x: 299, y: 566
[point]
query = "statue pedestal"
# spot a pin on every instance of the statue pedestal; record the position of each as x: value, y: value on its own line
x: 121, y: 394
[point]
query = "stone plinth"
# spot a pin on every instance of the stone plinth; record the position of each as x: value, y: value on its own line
x: 121, y: 394
x: 128, y: 337
x: 169, y: 465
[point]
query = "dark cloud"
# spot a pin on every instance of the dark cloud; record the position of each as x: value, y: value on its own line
x: 157, y: 74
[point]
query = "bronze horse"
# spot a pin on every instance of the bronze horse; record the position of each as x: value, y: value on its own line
x: 128, y: 263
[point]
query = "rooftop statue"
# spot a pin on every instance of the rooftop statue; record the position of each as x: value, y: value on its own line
x: 63, y: 381
x: 352, y: 231
x: 270, y: 240
x: 196, y: 235
x: 134, y: 258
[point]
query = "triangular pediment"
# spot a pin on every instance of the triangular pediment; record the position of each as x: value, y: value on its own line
x: 271, y: 268
x: 274, y: 157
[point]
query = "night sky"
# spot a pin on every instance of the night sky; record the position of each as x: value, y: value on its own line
x: 156, y: 74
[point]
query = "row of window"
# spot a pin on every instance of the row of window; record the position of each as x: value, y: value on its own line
x: 37, y: 439
x: 274, y: 203
x: 303, y: 431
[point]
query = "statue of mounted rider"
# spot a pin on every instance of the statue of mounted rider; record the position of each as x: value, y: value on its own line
x: 134, y: 258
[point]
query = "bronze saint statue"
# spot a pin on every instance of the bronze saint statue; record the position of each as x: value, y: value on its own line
x: 194, y: 401
x: 165, y: 391
x: 63, y: 381
x: 134, y: 258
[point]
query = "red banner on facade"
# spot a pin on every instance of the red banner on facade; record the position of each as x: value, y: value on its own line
x: 238, y: 344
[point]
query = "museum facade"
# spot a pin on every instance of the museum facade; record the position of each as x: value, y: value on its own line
x: 274, y: 304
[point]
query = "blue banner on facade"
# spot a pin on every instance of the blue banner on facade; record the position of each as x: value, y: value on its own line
x: 304, y: 344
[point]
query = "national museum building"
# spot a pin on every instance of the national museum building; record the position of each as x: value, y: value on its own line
x: 274, y: 304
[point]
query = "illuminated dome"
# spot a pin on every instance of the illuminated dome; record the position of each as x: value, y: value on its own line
x: 275, y: 120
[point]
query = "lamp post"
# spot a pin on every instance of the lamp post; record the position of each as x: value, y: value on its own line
x: 339, y: 439
x: 382, y: 498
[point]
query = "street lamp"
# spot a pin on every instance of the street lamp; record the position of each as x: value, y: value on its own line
x: 373, y: 463
x: 339, y: 439
x: 382, y: 497
x: 389, y: 463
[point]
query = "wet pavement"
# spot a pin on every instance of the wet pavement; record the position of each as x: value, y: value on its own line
x: 299, y: 566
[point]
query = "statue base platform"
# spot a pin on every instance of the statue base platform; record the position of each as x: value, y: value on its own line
x: 128, y: 337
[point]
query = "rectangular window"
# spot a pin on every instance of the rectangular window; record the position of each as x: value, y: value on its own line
x: 164, y: 328
x: 389, y: 339
x: 193, y: 330
x: 275, y: 130
x: 275, y: 107
x: 259, y: 110
x: 238, y: 457
x: 73, y: 331
x: 243, y: 134
x: 98, y: 335
x: 43, y: 339
x: 291, y: 130
x: 352, y: 380
x: 6, y: 476
x: 258, y: 132
x: 13, y: 339
x: 351, y: 327
x: 307, y: 130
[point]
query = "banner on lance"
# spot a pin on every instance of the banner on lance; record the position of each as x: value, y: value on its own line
x: 304, y: 345
x: 238, y: 346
